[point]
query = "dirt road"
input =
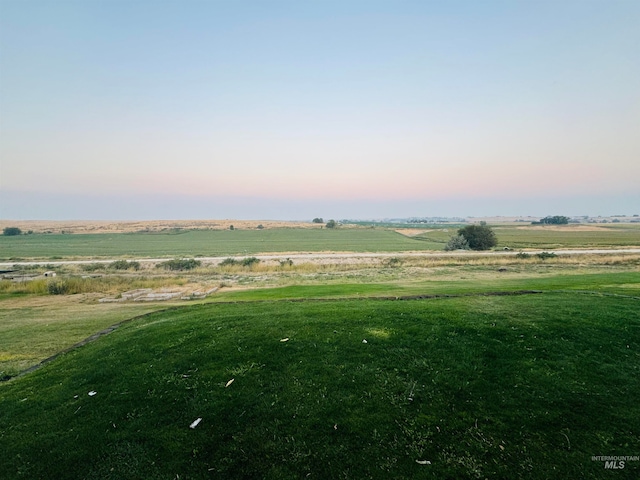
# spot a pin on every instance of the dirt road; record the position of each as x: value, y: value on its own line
x: 336, y: 256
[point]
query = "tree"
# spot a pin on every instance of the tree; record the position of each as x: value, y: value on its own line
x: 457, y: 242
x: 11, y: 231
x: 555, y: 220
x: 318, y: 220
x: 479, y: 237
x: 331, y: 224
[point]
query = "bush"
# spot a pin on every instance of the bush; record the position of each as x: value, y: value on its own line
x: 457, y: 242
x: 11, y: 231
x: 248, y: 262
x: 181, y: 264
x: 545, y: 255
x: 331, y: 224
x: 58, y: 287
x: 393, y: 262
x: 124, y: 265
x: 229, y: 262
x: 523, y: 255
x: 479, y: 237
x: 245, y: 262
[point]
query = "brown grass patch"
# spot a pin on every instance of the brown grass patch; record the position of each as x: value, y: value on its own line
x: 91, y: 226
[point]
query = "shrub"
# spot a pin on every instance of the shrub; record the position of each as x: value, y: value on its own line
x: 181, y: 264
x: 58, y: 287
x: 480, y: 237
x: 457, y: 242
x: 248, y: 262
x: 522, y: 255
x: 331, y: 224
x: 124, y: 265
x: 11, y: 231
x: 545, y: 255
x: 245, y: 262
x: 228, y: 262
x: 393, y: 262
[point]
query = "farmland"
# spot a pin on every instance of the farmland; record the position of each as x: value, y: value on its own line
x: 207, y: 243
x: 212, y: 243
x: 398, y: 366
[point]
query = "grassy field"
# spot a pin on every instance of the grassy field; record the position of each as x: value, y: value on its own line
x: 527, y: 386
x: 281, y: 240
x: 208, y: 243
x: 551, y: 237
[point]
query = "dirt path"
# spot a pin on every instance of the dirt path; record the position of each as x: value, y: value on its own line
x: 325, y: 256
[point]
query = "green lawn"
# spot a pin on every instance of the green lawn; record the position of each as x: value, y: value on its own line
x: 208, y: 243
x: 500, y: 387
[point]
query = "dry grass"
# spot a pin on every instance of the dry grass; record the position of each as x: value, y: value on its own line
x: 92, y: 226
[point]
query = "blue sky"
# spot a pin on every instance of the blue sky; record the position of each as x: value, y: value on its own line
x: 291, y: 110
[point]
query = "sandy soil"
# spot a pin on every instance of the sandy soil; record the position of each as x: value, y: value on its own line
x: 90, y: 226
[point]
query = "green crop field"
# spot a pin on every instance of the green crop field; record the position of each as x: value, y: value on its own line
x: 550, y: 237
x: 526, y: 386
x: 251, y: 242
x: 208, y: 243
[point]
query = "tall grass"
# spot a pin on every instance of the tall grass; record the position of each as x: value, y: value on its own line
x: 73, y: 285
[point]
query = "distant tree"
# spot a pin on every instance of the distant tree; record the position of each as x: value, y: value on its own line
x: 479, y: 237
x: 318, y: 220
x: 555, y: 220
x: 260, y: 227
x: 331, y: 224
x: 457, y: 242
x: 231, y: 227
x: 11, y: 231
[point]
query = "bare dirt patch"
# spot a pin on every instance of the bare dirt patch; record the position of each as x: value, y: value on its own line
x: 412, y: 232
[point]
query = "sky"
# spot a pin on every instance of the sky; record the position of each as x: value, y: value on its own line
x: 193, y: 109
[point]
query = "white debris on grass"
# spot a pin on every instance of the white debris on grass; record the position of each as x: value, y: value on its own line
x: 229, y: 382
x: 285, y: 339
x: 365, y: 341
x: 195, y: 423
x: 423, y: 462
x: 92, y: 393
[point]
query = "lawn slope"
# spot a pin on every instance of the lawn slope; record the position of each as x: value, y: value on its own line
x: 526, y: 386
